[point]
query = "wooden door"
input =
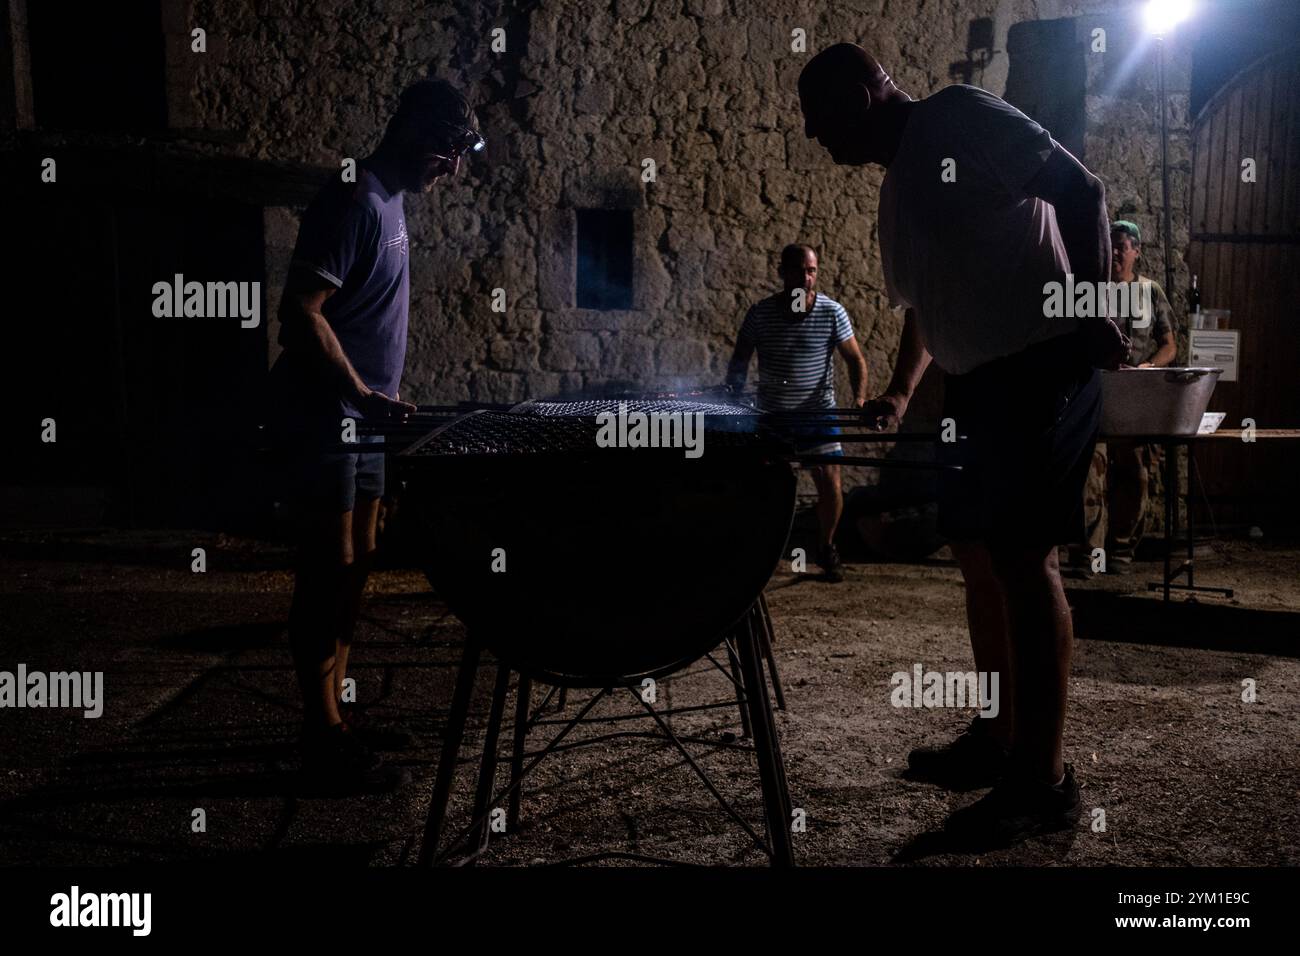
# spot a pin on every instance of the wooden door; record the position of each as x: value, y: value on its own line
x: 1245, y: 247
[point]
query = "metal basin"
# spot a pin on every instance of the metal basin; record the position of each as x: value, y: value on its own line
x: 1155, y: 401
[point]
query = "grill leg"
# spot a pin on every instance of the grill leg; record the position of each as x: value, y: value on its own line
x: 771, y: 769
x: 740, y: 690
x: 765, y: 637
x: 450, y: 750
x: 523, y: 700
x: 487, y: 769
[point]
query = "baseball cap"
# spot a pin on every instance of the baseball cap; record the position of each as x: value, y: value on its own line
x: 1127, y: 226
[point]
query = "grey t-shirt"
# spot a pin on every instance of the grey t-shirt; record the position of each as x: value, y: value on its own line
x: 353, y: 235
x: 961, y: 242
x: 1146, y: 336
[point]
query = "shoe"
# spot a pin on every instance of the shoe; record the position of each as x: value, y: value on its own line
x: 1119, y: 566
x: 831, y: 565
x: 337, y: 762
x: 1015, y: 810
x: 972, y: 761
x: 1079, y: 572
x: 373, y: 735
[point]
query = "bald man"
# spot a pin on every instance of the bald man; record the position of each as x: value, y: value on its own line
x: 796, y: 333
x: 979, y: 209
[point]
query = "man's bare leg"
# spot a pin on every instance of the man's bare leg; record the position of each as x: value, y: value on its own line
x: 364, y: 525
x: 990, y: 641
x: 830, y: 500
x: 1042, y: 639
x: 325, y: 553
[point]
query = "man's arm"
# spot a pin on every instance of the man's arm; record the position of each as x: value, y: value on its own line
x: 738, y: 367
x: 1165, y: 355
x: 857, y: 363
x: 1079, y: 199
x: 913, y: 359
x: 1164, y: 330
x: 306, y: 328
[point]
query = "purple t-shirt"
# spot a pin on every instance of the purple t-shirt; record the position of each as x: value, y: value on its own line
x: 353, y: 235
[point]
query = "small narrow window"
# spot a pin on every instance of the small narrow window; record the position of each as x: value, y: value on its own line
x: 604, y: 259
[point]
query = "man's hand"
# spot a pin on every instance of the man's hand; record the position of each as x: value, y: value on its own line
x: 1104, y: 344
x: 376, y: 406
x: 885, y: 413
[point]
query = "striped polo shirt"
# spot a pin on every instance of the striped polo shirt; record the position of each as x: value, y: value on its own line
x: 795, y: 352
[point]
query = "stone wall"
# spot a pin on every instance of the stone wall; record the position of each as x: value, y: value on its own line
x: 581, y: 96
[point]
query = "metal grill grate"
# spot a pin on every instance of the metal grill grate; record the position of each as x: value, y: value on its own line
x: 661, y: 406
x: 536, y: 428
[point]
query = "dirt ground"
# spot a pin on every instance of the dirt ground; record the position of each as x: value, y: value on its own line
x: 201, y: 712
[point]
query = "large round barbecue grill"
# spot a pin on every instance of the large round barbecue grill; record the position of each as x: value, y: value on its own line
x: 578, y: 565
x: 586, y: 566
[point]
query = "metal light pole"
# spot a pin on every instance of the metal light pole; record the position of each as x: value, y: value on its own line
x: 1164, y: 168
x: 1162, y: 16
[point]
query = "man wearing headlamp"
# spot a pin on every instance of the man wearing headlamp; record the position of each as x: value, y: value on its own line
x: 343, y: 322
x: 441, y: 151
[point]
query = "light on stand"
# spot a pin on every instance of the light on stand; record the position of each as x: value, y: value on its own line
x: 1163, y: 15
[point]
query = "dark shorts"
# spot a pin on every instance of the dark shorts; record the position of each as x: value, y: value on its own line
x: 317, y: 482
x: 1030, y: 422
x: 315, y: 475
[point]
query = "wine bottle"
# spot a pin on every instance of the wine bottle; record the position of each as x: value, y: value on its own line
x: 1193, y: 299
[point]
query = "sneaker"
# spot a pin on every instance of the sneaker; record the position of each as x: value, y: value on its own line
x: 338, y: 762
x: 373, y: 735
x: 972, y: 761
x: 832, y: 566
x: 1016, y: 810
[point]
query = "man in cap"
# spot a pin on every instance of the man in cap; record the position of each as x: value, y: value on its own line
x: 1115, y: 497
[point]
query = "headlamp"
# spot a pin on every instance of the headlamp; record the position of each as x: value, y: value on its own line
x: 461, y: 139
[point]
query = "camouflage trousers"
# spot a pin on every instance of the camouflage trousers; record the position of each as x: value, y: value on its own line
x: 1115, y: 498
